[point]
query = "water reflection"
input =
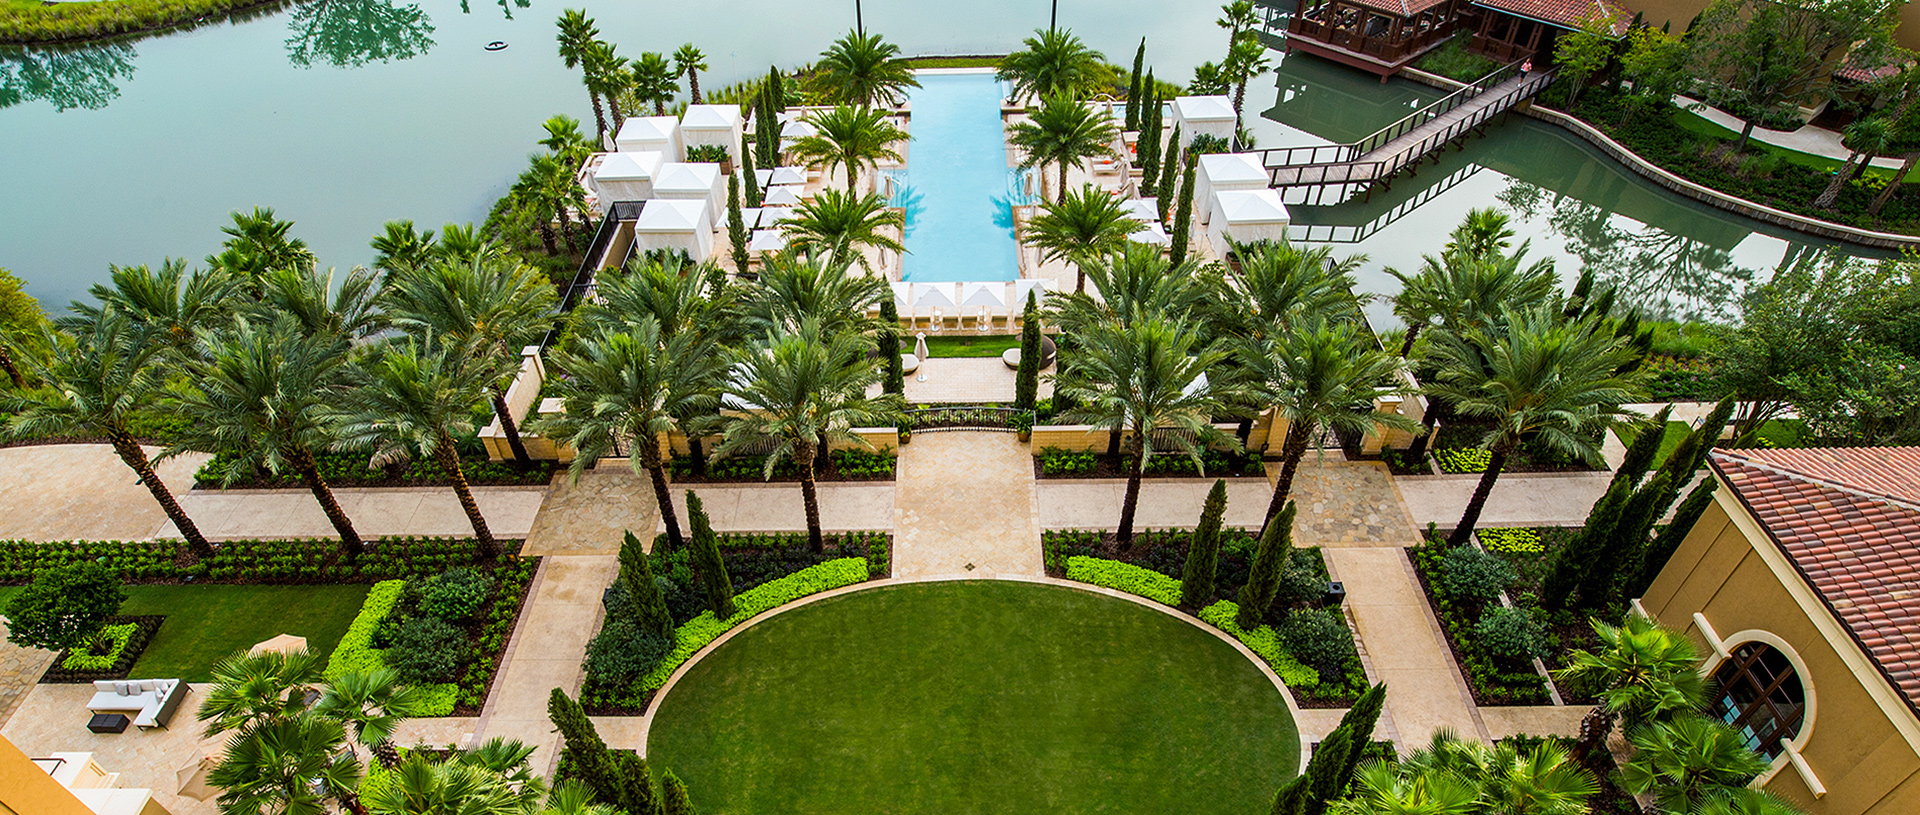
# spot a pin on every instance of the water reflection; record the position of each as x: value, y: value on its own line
x: 353, y: 33
x: 504, y: 8
x: 86, y: 78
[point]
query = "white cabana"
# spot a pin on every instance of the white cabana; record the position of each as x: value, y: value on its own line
x: 692, y: 180
x: 712, y: 124
x: 902, y: 295
x: 749, y: 217
x: 1220, y: 172
x: 772, y: 216
x: 1153, y: 235
x: 625, y: 177
x: 793, y: 127
x: 1038, y: 287
x: 1194, y: 115
x: 675, y: 223
x: 1143, y: 209
x: 936, y: 298
x: 785, y: 195
x: 767, y: 240
x: 984, y: 301
x: 786, y: 175
x: 650, y: 134
x: 1245, y: 216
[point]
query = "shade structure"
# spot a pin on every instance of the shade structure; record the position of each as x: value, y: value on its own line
x: 1143, y: 209
x: 992, y: 295
x: 788, y: 175
x: 1038, y: 287
x: 902, y: 295
x: 712, y: 124
x: 650, y: 134
x: 688, y: 180
x: 625, y: 177
x: 1220, y: 172
x: 1153, y: 235
x: 675, y: 223
x: 794, y: 127
x: 1245, y: 216
x: 772, y: 216
x: 191, y: 777
x: 282, y: 644
x: 1212, y: 115
x: 783, y: 196
x: 932, y: 295
x: 750, y: 216
x: 767, y: 240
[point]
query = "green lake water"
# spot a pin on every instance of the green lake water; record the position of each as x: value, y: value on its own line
x: 343, y: 114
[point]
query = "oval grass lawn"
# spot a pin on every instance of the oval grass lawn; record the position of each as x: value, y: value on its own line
x: 975, y: 697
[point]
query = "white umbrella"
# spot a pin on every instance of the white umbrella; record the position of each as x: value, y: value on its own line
x: 284, y: 644
x: 767, y: 240
x: 934, y: 296
x: 1154, y: 235
x: 789, y: 175
x: 782, y: 196
x: 920, y: 353
x: 749, y: 216
x: 762, y: 175
x: 985, y: 297
x: 902, y: 294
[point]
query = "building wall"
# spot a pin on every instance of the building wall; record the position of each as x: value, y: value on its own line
x: 25, y: 788
x: 1859, y: 740
x: 1680, y: 14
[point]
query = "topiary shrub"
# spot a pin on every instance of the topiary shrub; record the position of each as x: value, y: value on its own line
x: 1473, y: 576
x: 1319, y: 639
x: 455, y: 594
x: 1511, y: 633
x: 427, y: 650
x: 1301, y: 582
x: 622, y: 650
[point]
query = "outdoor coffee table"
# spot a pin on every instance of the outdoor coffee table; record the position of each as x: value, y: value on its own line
x: 108, y: 723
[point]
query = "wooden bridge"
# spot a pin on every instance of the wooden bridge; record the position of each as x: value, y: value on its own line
x: 1401, y: 145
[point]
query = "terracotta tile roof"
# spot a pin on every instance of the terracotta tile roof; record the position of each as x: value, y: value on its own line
x: 1565, y: 13
x: 1849, y: 519
x: 1402, y: 8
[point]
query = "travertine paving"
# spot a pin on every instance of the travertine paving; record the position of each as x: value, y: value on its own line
x: 56, y: 492
x: 1403, y: 641
x: 375, y: 512
x: 778, y: 507
x: 53, y: 718
x: 1518, y: 499
x: 591, y: 515
x: 19, y: 669
x: 970, y: 380
x: 1164, y: 503
x: 964, y: 505
x: 561, y: 616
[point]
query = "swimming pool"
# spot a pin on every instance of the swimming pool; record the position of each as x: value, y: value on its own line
x: 958, y: 193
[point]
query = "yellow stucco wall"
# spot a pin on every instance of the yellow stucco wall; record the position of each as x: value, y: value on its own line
x: 25, y: 788
x: 1858, y: 739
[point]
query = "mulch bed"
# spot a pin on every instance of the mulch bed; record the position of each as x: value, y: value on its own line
x: 136, y: 644
x: 1568, y: 631
x: 1466, y: 433
x: 493, y: 658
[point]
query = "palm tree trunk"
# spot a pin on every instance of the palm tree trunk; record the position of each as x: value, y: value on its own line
x: 1080, y: 278
x: 450, y: 462
x: 310, y: 472
x: 1828, y: 196
x: 1291, y: 451
x: 809, y: 497
x: 136, y: 459
x: 547, y: 241
x: 1594, y: 728
x: 1413, y: 333
x: 508, y: 427
x: 1061, y: 194
x: 698, y: 452
x: 566, y: 228
x: 1137, y: 463
x: 613, y: 107
x: 1479, y: 500
x: 599, y: 122
x: 1427, y: 421
x: 659, y: 107
x: 13, y: 372
x: 853, y: 176
x: 693, y: 84
x: 649, y: 450
x: 1886, y: 194
x: 1239, y: 99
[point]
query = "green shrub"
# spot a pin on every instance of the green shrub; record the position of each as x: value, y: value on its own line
x: 688, y: 639
x: 455, y: 594
x: 1455, y: 62
x: 1511, y: 633
x: 355, y: 652
x: 1463, y: 459
x: 1264, y: 642
x: 1319, y: 638
x: 1055, y: 461
x: 1125, y: 577
x: 64, y: 607
x: 1475, y: 576
x: 622, y: 650
x: 1303, y: 581
x: 1519, y: 541
x: 115, y: 637
x: 427, y: 650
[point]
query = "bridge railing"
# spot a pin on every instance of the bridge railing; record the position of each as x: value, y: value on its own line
x: 1343, y: 153
x: 1364, y: 171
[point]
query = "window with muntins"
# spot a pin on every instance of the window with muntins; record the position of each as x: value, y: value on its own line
x: 1760, y: 695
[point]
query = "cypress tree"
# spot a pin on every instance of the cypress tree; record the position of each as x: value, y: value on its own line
x: 778, y: 84
x: 1148, y: 141
x: 896, y: 379
x: 736, y: 226
x: 746, y: 169
x: 1644, y: 447
x: 1133, y: 87
x: 1658, y: 551
x: 1292, y: 798
x: 707, y: 561
x: 674, y: 794
x: 1263, y: 576
x: 1026, y: 380
x: 649, y: 608
x: 1577, y: 555
x: 1169, y: 159
x: 1183, y: 216
x: 592, y: 762
x: 1360, y: 721
x: 1324, y: 782
x: 637, y: 794
x: 1203, y: 551
x: 1622, y: 543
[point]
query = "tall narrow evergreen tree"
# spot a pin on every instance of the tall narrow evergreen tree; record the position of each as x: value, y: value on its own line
x: 746, y: 170
x: 1654, y: 557
x: 1133, y: 87
x: 736, y: 225
x: 1325, y: 779
x: 1148, y: 142
x: 778, y: 93
x: 1636, y: 519
x: 1292, y: 798
x: 896, y: 379
x: 707, y: 562
x: 1558, y: 587
x: 1263, y: 576
x: 674, y: 795
x: 1183, y: 215
x: 638, y: 797
x: 1360, y: 721
x: 592, y: 762
x: 1203, y: 551
x: 636, y: 574
x: 1169, y: 161
x: 1026, y: 379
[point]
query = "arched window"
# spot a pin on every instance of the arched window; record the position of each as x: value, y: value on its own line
x: 1760, y: 695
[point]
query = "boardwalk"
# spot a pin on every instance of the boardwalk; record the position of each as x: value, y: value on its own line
x: 1405, y: 143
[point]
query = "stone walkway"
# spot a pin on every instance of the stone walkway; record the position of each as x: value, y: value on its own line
x: 844, y: 506
x: 548, y: 645
x: 375, y: 512
x: 1342, y: 503
x: 56, y: 492
x: 591, y: 516
x: 1817, y: 141
x: 1403, y: 640
x: 1164, y: 503
x: 966, y: 380
x: 964, y: 505
x: 1518, y: 499
x: 20, y: 668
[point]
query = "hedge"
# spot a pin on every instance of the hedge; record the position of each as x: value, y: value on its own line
x: 1125, y: 577
x: 698, y: 632
x: 356, y: 653
x: 1262, y: 641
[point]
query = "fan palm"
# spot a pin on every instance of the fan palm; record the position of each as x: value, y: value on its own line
x: 1287, y: 285
x: 607, y: 76
x: 1063, y: 132
x: 1543, y: 780
x: 849, y: 137
x: 1540, y: 780
x: 565, y: 140
x: 631, y: 387
x: 330, y: 314
x: 1054, y: 63
x: 1382, y: 788
x: 843, y: 223
x: 422, y: 787
x: 1689, y: 761
x: 794, y: 290
x: 803, y: 390
x: 1136, y: 283
x: 290, y: 766
x: 400, y: 246
x: 573, y: 797
x: 369, y: 704
x: 1642, y: 671
x: 653, y: 80
x: 863, y: 69
x: 99, y: 382
x: 1318, y: 375
x: 577, y: 35
x: 688, y: 60
x: 1542, y: 379
x: 1471, y: 281
x: 490, y: 308
x: 1141, y: 378
x: 1246, y: 59
x: 255, y: 689
x: 1083, y: 225
x: 412, y: 398
x: 170, y: 305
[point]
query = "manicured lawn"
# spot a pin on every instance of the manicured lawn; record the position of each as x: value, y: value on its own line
x: 1699, y: 124
x: 988, y: 345
x: 205, y: 624
x: 1784, y: 432
x: 975, y: 697
x: 1676, y: 433
x: 954, y: 62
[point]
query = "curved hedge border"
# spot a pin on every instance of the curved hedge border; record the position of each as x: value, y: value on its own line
x: 50, y: 23
x: 688, y: 639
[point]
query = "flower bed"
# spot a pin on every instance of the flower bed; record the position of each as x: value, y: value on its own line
x: 305, y: 561
x: 1494, y: 679
x: 1053, y: 462
x: 1456, y: 449
x: 1531, y: 551
x: 351, y: 470
x: 128, y: 635
x: 843, y: 465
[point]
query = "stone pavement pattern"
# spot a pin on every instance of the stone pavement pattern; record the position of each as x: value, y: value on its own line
x: 1342, y: 503
x: 1518, y: 499
x: 845, y: 506
x: 375, y: 512
x: 1164, y: 503
x: 965, y: 498
x: 54, y: 719
x: 548, y: 644
x: 56, y: 492
x: 20, y: 668
x: 970, y: 380
x: 592, y: 515
x: 1424, y: 689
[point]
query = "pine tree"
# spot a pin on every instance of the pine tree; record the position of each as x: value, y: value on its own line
x: 1133, y: 87
x: 896, y: 379
x: 736, y: 226
x: 1203, y: 551
x: 1183, y: 215
x: 638, y: 794
x: 674, y: 794
x: 1324, y: 780
x: 1169, y: 160
x: 649, y: 608
x: 592, y: 762
x: 746, y: 169
x: 707, y: 562
x: 1026, y: 380
x: 1263, y: 576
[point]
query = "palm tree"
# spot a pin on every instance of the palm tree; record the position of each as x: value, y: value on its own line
x: 607, y: 77
x: 1144, y: 377
x: 1138, y: 282
x: 1055, y: 63
x: 254, y: 689
x: 577, y: 35
x: 549, y: 185
x: 1689, y: 761
x: 849, y: 137
x: 291, y: 766
x: 1541, y: 780
x: 1384, y: 788
x: 170, y: 305
x: 1083, y: 225
x: 1318, y: 375
x: 1287, y: 286
x: 413, y: 398
x: 679, y: 299
x: 565, y: 140
x: 1472, y: 280
x: 1062, y: 132
x: 400, y: 246
x: 653, y: 81
x: 1865, y: 140
x: 630, y: 387
x: 1245, y: 60
x: 335, y: 315
x: 688, y: 60
x: 370, y: 704
x: 423, y: 787
x: 98, y: 383
x: 1642, y: 671
x: 1544, y: 780
x: 863, y: 69
x: 794, y: 290
x: 843, y: 223
x: 574, y: 797
x: 804, y: 389
x: 490, y: 308
x: 1541, y: 379
x: 259, y: 242
x: 260, y: 400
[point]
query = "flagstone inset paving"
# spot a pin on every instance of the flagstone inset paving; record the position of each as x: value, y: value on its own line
x: 1346, y: 503
x: 590, y: 516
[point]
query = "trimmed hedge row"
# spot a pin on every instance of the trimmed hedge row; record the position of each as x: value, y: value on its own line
x: 313, y: 560
x: 1136, y: 580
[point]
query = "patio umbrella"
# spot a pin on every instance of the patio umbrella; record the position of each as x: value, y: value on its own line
x: 782, y: 196
x: 933, y: 296
x: 192, y: 776
x: 1144, y: 209
x: 789, y: 175
x: 920, y: 353
x: 767, y: 240
x: 902, y: 295
x: 1153, y: 235
x: 284, y: 643
x: 985, y: 296
x: 762, y: 175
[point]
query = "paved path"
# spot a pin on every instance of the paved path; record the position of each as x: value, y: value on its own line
x: 546, y: 651
x: 969, y: 380
x: 376, y: 512
x: 591, y: 516
x: 1518, y: 499
x: 1817, y: 141
x: 844, y: 506
x: 1164, y: 503
x: 55, y: 492
x: 964, y: 505
x: 1343, y: 503
x: 1403, y: 640
x: 20, y: 668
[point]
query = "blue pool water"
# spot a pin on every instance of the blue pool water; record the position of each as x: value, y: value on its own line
x: 958, y: 193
